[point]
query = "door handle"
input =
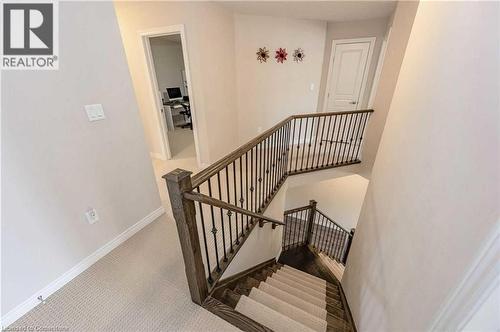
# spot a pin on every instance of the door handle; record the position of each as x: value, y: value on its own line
x: 353, y: 102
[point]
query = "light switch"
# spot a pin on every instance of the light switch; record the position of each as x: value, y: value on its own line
x: 311, y: 87
x: 95, y: 112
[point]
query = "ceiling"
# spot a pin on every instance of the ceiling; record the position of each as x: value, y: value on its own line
x: 333, y: 11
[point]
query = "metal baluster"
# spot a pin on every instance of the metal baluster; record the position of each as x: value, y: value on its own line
x: 346, y: 139
x: 266, y: 170
x: 214, y: 229
x: 241, y: 195
x: 298, y: 145
x: 222, y: 217
x: 229, y: 212
x: 337, y: 139
x: 342, y: 249
x: 290, y: 228
x: 287, y: 148
x: 252, y: 188
x: 291, y: 145
x: 362, y: 133
x: 202, y: 219
x: 297, y: 221
x: 235, y: 203
x: 317, y: 153
x: 336, y: 239
x: 261, y: 196
x: 310, y: 143
x: 321, y: 142
x: 253, y: 171
x: 246, y: 183
x: 304, y: 145
x: 325, y: 230
x: 279, y: 156
x: 330, y: 238
x: 316, y: 142
x: 272, y: 142
x: 318, y: 230
x: 353, y: 137
x: 328, y: 141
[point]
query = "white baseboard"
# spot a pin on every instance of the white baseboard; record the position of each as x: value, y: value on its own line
x: 48, y: 290
x: 470, y: 294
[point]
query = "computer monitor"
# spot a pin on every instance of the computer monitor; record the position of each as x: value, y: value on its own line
x: 174, y: 93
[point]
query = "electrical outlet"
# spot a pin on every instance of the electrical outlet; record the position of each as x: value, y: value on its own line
x: 91, y: 216
x: 95, y: 112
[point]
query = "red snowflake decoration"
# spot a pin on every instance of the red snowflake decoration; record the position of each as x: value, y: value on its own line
x: 280, y: 55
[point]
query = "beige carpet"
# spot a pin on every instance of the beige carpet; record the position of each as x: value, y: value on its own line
x: 139, y: 286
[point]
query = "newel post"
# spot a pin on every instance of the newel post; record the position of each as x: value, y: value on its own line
x: 179, y: 182
x: 310, y: 221
x: 349, y: 242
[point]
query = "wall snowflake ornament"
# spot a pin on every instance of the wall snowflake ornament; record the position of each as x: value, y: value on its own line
x: 298, y: 55
x: 262, y: 54
x: 280, y: 55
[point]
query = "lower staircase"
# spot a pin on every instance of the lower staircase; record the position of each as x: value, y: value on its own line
x: 283, y: 298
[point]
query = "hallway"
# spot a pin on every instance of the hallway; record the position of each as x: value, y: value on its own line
x: 139, y: 286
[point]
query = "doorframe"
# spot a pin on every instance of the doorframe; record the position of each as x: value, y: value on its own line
x: 378, y: 70
x: 153, y: 88
x: 336, y: 42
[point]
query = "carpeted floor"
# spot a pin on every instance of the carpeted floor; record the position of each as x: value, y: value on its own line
x: 139, y: 286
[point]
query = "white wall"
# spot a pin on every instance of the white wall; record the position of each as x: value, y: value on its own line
x: 56, y: 164
x: 169, y: 64
x: 210, y: 44
x: 401, y: 24
x: 433, y: 197
x: 348, y: 30
x: 269, y: 92
x: 339, y: 198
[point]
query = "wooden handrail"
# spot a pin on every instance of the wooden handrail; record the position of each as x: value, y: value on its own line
x: 332, y: 221
x: 221, y: 204
x: 297, y: 209
x: 206, y: 173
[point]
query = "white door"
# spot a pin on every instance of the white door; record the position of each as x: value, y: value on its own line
x: 347, y: 77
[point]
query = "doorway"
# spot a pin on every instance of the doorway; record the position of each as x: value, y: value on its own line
x: 168, y: 71
x: 348, y: 72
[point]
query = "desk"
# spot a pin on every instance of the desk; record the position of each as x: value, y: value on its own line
x: 173, y: 109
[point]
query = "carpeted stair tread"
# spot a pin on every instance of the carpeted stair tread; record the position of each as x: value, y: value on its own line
x: 293, y: 312
x: 298, y: 285
x: 305, y: 281
x: 330, y: 292
x: 304, y: 274
x: 296, y: 292
x: 311, y: 308
x: 267, y: 316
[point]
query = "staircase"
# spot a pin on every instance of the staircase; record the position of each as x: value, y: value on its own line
x: 283, y: 298
x: 217, y: 209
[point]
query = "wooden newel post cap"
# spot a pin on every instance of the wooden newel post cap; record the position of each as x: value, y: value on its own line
x: 177, y: 175
x: 353, y: 230
x: 312, y: 202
